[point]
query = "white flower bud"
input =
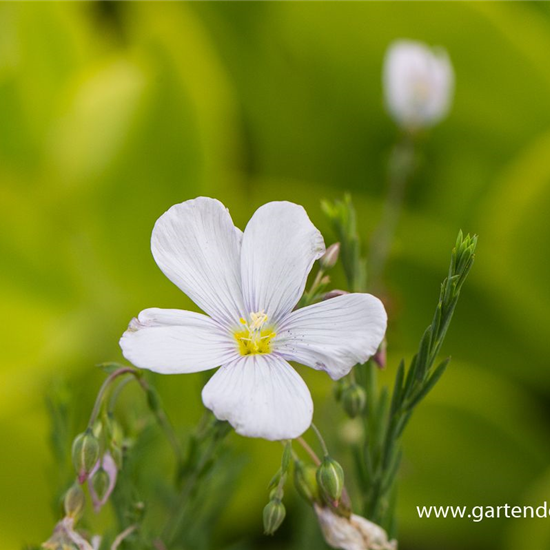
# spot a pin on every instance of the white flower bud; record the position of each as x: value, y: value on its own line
x: 418, y: 84
x: 353, y: 533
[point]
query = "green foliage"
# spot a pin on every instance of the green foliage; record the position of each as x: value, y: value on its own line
x: 379, y: 459
x: 112, y: 112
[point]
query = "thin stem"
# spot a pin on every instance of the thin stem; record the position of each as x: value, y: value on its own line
x: 400, y: 171
x: 103, y: 389
x: 165, y: 425
x: 120, y: 538
x: 116, y: 393
x: 309, y: 450
x: 320, y: 438
x: 171, y: 529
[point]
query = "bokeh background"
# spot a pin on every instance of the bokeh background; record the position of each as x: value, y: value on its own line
x: 112, y: 112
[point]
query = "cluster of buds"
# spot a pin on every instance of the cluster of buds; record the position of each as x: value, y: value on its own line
x: 274, y: 511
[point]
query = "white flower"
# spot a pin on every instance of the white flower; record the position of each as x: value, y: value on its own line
x: 353, y: 533
x: 248, y: 285
x: 418, y: 84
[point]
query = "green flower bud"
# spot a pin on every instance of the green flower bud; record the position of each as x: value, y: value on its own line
x: 85, y: 454
x: 330, y: 477
x: 354, y: 400
x: 274, y: 515
x: 74, y: 501
x: 305, y: 481
x: 100, y: 482
x: 116, y: 453
x: 113, y: 432
x: 339, y: 388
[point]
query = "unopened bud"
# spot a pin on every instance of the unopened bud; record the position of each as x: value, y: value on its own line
x: 100, y: 483
x: 116, y: 453
x: 339, y: 388
x: 274, y: 515
x: 380, y: 356
x: 330, y: 257
x: 74, y: 501
x: 354, y: 400
x: 85, y: 454
x: 113, y: 431
x: 330, y: 477
x: 305, y: 481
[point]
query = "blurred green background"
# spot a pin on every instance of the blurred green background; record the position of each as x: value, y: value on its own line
x: 112, y: 112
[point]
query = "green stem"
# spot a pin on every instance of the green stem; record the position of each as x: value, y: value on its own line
x: 170, y: 531
x: 401, y: 169
x: 166, y: 426
x: 309, y: 451
x: 320, y: 438
x: 104, y: 387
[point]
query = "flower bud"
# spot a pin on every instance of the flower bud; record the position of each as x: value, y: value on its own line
x: 305, y: 481
x: 330, y: 257
x: 118, y: 457
x: 354, y: 400
x: 74, y: 501
x: 339, y: 388
x: 380, y: 356
x: 418, y: 84
x: 85, y: 454
x: 330, y: 477
x: 102, y: 481
x: 274, y: 515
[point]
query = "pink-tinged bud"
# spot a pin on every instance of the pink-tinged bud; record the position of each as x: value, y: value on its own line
x: 330, y: 257
x: 102, y: 481
x: 380, y: 356
x: 85, y: 454
x: 334, y: 294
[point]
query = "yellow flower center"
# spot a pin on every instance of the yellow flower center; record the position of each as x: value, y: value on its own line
x: 254, y: 338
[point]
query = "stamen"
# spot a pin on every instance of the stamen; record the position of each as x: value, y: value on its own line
x: 255, y: 338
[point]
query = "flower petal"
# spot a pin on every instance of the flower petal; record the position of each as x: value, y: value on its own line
x: 198, y: 248
x: 260, y: 396
x: 333, y: 335
x: 279, y: 247
x: 172, y: 341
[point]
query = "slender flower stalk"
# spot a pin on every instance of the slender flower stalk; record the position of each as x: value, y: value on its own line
x: 402, y: 165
